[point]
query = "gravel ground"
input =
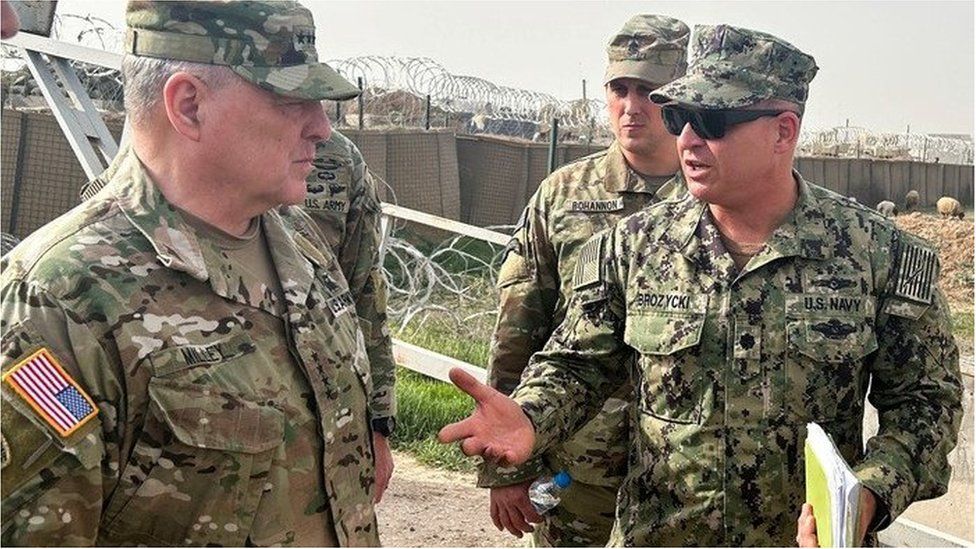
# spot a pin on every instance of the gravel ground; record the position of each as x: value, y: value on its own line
x: 426, y: 507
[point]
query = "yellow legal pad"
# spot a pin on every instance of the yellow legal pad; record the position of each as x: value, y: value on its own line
x: 832, y: 489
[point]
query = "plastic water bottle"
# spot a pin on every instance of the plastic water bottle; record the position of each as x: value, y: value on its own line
x: 544, y: 493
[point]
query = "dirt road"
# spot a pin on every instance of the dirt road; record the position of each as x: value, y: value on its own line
x: 426, y: 507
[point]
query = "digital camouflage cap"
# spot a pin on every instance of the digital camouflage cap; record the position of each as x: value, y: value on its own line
x: 734, y: 67
x: 271, y: 44
x: 652, y: 48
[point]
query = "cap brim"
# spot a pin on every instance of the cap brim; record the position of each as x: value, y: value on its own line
x: 696, y: 90
x: 641, y: 70
x: 315, y: 81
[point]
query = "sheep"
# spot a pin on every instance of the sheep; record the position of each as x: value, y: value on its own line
x: 911, y: 201
x: 949, y: 207
x: 887, y: 208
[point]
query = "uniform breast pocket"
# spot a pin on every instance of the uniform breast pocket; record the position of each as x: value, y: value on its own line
x: 671, y: 383
x: 199, y: 465
x: 824, y: 366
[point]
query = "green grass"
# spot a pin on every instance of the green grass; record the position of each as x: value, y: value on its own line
x: 962, y: 328
x: 425, y: 405
x: 443, y: 339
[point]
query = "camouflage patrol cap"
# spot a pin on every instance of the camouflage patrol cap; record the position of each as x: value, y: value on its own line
x: 271, y: 44
x: 651, y: 48
x: 735, y: 67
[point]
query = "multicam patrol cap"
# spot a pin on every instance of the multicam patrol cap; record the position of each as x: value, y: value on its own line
x: 271, y: 44
x: 735, y: 67
x: 652, y: 48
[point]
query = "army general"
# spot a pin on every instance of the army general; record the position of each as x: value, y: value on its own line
x: 182, y: 360
x: 742, y: 311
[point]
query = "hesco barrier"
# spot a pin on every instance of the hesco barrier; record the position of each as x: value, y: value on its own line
x: 40, y: 176
x: 499, y: 175
x: 480, y: 180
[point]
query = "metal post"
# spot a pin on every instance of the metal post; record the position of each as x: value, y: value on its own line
x: 427, y: 114
x: 553, y: 137
x: 359, y: 82
x: 584, y: 90
x: 18, y: 175
x: 338, y: 117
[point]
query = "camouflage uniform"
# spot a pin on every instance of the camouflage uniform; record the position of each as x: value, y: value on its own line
x: 576, y: 201
x: 343, y: 202
x: 194, y: 405
x: 207, y: 413
x: 729, y: 366
x: 571, y: 205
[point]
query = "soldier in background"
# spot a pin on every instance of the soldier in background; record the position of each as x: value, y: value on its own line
x: 755, y: 304
x: 342, y: 199
x: 535, y: 282
x: 182, y: 360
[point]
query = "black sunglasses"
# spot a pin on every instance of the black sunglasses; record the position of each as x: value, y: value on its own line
x: 709, y: 124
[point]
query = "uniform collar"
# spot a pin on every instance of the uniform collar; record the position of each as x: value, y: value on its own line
x: 620, y: 177
x: 802, y: 234
x: 179, y: 248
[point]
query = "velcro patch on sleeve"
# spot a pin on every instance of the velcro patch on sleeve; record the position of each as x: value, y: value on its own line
x: 53, y: 394
x: 917, y: 272
x: 589, y: 265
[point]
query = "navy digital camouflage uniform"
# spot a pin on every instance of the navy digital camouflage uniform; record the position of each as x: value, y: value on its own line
x: 572, y: 204
x: 730, y: 365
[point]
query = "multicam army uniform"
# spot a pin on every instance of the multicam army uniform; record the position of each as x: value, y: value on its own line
x: 215, y: 421
x: 571, y: 205
x: 343, y: 202
x: 731, y: 365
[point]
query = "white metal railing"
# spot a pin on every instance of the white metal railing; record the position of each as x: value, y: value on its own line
x: 902, y: 533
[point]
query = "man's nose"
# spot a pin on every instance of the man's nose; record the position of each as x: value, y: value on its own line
x: 318, y: 127
x: 688, y: 138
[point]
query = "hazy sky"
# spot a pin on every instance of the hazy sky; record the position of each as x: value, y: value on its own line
x: 884, y: 65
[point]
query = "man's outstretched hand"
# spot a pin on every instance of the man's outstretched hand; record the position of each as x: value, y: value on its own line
x: 497, y: 430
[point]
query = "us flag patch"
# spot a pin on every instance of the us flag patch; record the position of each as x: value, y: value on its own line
x: 916, y: 273
x: 51, y: 392
x: 588, y: 266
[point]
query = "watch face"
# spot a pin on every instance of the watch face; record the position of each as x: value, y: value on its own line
x: 384, y: 425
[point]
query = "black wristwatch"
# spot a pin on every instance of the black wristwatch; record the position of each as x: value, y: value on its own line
x: 384, y: 425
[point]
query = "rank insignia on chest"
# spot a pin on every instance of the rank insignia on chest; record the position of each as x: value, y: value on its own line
x: 341, y: 303
x: 41, y: 381
x: 917, y: 271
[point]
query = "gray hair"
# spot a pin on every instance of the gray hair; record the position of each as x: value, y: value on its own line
x: 144, y: 78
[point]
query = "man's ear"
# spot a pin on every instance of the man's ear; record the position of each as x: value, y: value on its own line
x: 183, y: 95
x: 788, y: 131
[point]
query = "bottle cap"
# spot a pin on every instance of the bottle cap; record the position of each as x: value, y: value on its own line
x: 562, y: 479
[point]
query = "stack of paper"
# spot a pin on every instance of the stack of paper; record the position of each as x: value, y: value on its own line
x: 832, y: 489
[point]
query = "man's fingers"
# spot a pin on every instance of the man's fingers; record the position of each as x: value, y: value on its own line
x: 806, y: 528
x: 518, y: 521
x: 453, y: 432
x: 494, y: 515
x: 525, y: 507
x: 467, y: 383
x: 472, y: 446
x: 509, y: 523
